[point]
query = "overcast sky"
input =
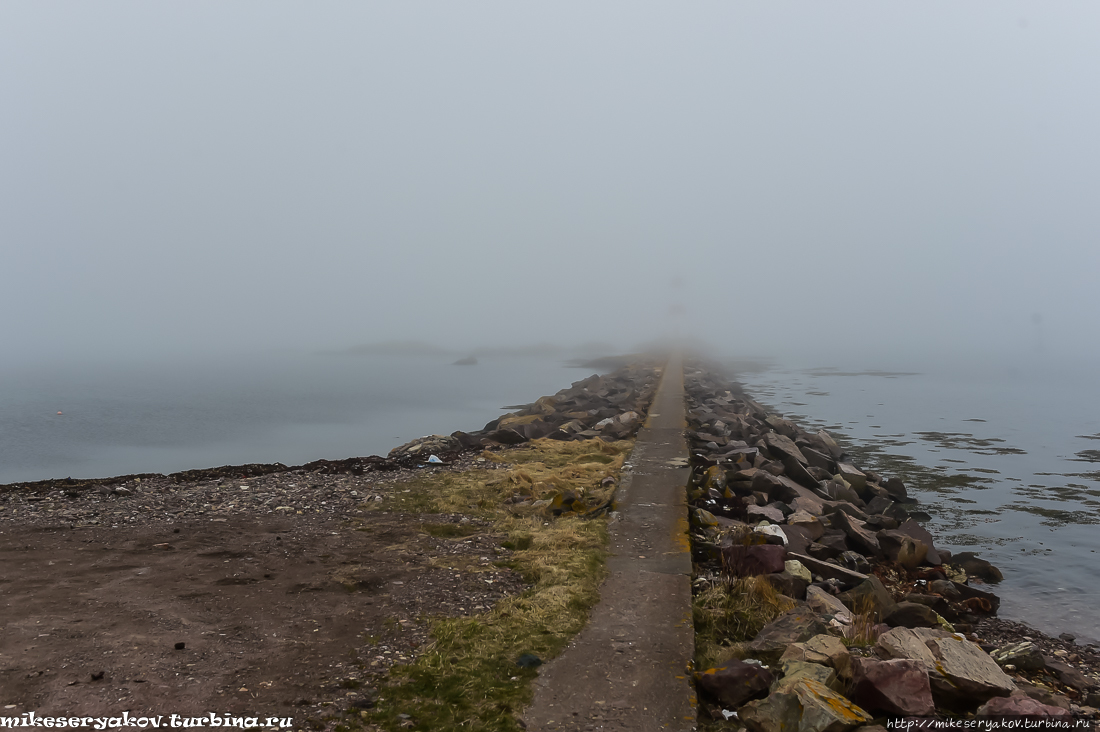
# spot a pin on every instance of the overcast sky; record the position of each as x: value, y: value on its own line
x: 820, y: 176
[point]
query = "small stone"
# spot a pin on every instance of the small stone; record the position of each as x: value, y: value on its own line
x: 528, y: 660
x: 180, y: 646
x: 796, y: 569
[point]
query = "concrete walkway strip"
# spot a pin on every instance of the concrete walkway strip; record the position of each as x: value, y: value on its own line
x: 628, y: 668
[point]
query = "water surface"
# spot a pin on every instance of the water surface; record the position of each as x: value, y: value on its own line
x: 1005, y: 459
x: 292, y: 408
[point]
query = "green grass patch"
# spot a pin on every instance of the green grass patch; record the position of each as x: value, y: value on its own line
x: 467, y: 678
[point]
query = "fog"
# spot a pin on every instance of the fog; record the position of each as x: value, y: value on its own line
x: 848, y: 178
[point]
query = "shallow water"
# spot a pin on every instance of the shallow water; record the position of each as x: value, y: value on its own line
x: 1004, y: 460
x: 276, y: 407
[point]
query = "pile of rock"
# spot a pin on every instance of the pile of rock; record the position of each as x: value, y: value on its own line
x: 610, y: 407
x: 881, y: 617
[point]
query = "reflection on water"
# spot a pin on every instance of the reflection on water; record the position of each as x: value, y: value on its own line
x: 994, y: 461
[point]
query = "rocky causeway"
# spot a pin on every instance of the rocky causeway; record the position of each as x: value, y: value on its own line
x: 245, y: 586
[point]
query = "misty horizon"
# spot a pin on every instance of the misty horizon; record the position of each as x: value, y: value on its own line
x: 811, y: 181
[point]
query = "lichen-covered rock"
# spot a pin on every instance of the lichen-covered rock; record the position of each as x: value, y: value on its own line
x: 735, y: 682
x: 794, y: 671
x: 796, y: 568
x: 1025, y: 656
x: 824, y: 649
x: 803, y: 706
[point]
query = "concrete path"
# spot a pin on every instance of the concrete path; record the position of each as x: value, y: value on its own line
x: 628, y: 668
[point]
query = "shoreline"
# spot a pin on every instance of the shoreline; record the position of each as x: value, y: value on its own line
x: 771, y: 500
x: 1073, y: 671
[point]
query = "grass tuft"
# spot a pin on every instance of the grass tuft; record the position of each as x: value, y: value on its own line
x: 732, y: 612
x: 467, y: 678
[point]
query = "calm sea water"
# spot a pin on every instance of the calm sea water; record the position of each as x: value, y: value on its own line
x: 1006, y: 459
x: 277, y: 407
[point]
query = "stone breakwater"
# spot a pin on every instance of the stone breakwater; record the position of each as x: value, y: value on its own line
x: 870, y: 619
x: 609, y: 407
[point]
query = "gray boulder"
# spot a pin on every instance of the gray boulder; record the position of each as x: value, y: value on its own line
x: 860, y: 537
x: 965, y: 676
x: 794, y: 626
x: 782, y: 446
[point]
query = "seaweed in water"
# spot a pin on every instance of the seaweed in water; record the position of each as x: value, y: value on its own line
x: 964, y: 441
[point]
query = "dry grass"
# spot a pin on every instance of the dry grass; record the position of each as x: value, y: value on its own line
x: 861, y: 632
x: 733, y: 612
x: 467, y: 678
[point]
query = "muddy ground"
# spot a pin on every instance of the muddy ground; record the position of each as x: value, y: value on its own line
x: 289, y: 595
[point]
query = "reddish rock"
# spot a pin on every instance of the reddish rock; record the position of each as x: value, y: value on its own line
x: 748, y: 561
x: 899, y: 686
x: 1019, y: 706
